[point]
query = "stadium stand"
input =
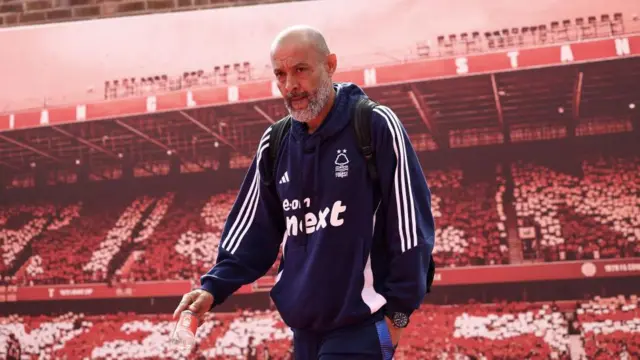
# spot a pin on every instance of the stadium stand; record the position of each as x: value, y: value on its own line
x: 31, y: 221
x: 464, y: 240
x: 607, y: 326
x: 19, y: 12
x: 603, y: 26
x: 483, y: 331
x: 62, y: 251
x: 164, y: 236
x: 555, y: 31
x: 144, y: 86
x: 134, y: 336
x: 610, y: 326
x: 187, y: 242
x: 588, y: 217
x: 487, y: 331
x: 174, y: 234
x: 117, y: 236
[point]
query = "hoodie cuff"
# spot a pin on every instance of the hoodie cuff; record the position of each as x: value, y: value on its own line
x: 393, y: 307
x: 208, y: 285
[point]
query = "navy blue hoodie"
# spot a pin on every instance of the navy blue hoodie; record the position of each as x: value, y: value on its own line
x: 350, y: 247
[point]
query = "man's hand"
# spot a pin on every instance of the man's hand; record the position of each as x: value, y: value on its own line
x: 197, y: 301
x: 396, y: 333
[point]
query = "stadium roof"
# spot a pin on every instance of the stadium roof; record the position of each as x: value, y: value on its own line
x: 489, y: 93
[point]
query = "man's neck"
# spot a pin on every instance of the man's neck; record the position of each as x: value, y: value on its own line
x: 314, y: 124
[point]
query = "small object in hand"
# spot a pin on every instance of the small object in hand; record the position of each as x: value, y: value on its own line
x: 184, y: 335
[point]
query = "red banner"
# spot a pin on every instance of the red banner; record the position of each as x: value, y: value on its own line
x: 515, y: 59
x: 537, y: 272
x: 103, y: 291
x: 449, y: 276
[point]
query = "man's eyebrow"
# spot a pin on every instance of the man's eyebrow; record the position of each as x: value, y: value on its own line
x: 298, y: 64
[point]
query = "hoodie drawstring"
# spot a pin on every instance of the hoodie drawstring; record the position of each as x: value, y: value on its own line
x: 316, y: 167
x: 303, y: 236
x: 314, y: 195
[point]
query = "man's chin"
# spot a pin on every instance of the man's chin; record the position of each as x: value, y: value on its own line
x: 301, y: 116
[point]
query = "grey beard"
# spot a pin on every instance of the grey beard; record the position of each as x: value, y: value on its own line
x: 315, y: 105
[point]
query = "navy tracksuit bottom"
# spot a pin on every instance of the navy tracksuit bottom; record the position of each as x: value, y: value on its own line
x: 369, y: 340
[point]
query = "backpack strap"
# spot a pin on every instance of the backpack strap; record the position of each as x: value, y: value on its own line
x: 362, y: 125
x: 278, y: 131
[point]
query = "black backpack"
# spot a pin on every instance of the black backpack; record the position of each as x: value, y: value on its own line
x: 362, y: 126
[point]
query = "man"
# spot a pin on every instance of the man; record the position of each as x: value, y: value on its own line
x: 355, y: 258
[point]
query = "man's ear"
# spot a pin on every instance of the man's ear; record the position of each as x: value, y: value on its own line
x: 332, y: 64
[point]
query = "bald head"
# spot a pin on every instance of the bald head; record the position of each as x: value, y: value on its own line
x: 301, y: 36
x: 303, y: 67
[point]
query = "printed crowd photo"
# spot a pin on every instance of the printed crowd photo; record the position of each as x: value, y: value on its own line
x: 319, y: 179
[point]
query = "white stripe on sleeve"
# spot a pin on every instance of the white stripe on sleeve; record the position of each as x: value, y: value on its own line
x: 248, y: 209
x: 402, y: 182
x: 412, y: 210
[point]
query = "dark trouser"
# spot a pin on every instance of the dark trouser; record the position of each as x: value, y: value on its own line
x: 370, y: 340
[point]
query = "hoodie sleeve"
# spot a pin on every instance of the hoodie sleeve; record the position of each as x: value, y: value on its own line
x: 252, y: 233
x: 409, y: 223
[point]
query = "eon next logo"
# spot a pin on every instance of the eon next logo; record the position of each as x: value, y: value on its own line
x: 312, y: 222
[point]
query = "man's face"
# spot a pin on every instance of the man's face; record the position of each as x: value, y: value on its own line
x: 303, y: 80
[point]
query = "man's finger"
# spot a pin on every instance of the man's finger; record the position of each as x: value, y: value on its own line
x: 184, y: 303
x: 196, y: 306
x: 179, y: 309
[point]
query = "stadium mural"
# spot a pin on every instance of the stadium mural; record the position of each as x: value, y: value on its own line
x: 114, y: 195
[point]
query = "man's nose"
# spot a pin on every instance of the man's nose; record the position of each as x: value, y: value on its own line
x: 291, y: 84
